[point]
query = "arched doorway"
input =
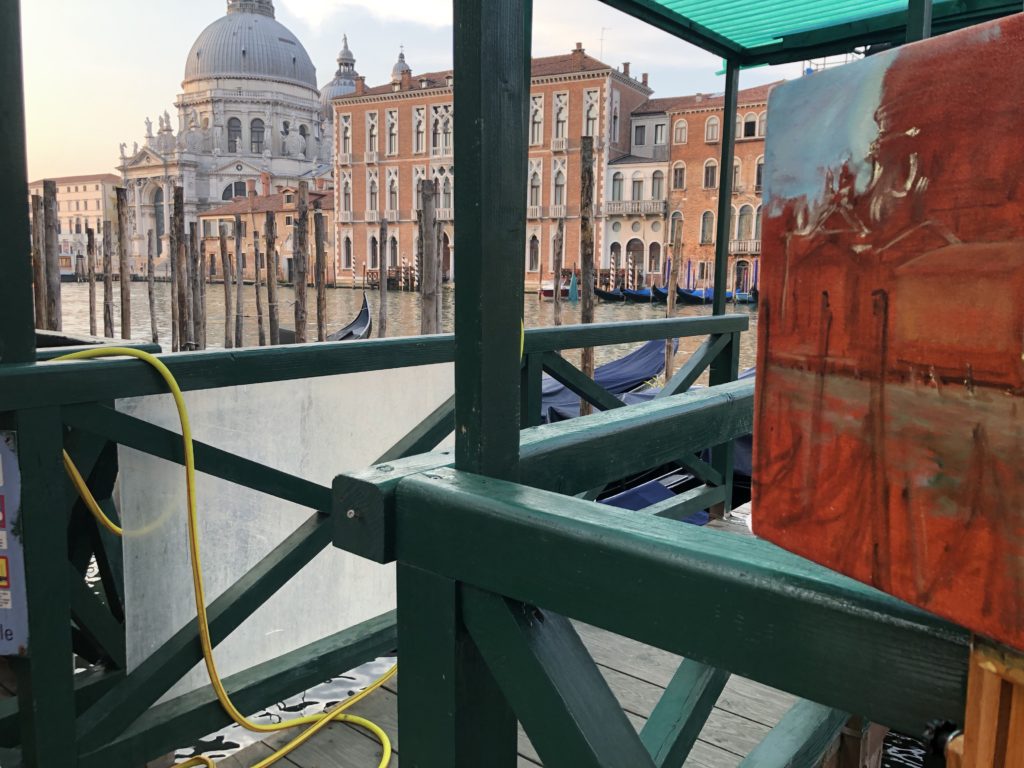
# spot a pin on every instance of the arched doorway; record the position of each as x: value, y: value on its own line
x: 615, y: 259
x: 393, y: 257
x: 742, y: 277
x: 158, y: 212
x: 634, y: 261
x: 654, y: 260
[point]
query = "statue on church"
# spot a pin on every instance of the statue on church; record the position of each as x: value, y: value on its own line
x: 135, y: 148
x: 149, y: 128
x: 124, y: 154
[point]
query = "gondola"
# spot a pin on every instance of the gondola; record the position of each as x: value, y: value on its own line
x: 642, y: 295
x: 359, y: 328
x: 614, y: 296
x: 659, y: 294
x: 701, y: 295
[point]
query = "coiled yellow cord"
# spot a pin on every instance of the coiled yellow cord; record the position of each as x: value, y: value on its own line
x: 317, y: 722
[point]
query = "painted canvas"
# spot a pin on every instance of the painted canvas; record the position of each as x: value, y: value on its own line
x: 890, y: 418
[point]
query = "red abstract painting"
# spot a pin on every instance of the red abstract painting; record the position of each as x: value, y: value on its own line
x: 889, y: 440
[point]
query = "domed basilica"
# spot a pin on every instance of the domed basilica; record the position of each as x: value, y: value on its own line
x: 249, y: 108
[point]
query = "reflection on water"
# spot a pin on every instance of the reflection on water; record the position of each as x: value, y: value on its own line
x: 343, y: 304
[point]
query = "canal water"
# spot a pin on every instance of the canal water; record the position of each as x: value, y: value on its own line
x: 343, y: 304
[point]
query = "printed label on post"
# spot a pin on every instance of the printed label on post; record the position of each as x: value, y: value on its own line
x: 5, y: 576
x: 5, y: 599
x: 3, y: 540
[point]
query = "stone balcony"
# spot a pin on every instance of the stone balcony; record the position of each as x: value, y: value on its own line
x: 635, y: 208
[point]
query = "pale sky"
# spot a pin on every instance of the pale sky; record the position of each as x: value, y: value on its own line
x: 95, y: 70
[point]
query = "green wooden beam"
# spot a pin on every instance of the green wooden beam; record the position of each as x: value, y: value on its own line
x: 723, y: 226
x: 806, y: 630
x: 568, y: 457
x: 683, y: 505
x: 580, y: 454
x: 725, y: 368
x: 691, y: 370
x: 166, y: 444
x: 919, y: 20
x: 425, y: 436
x: 45, y: 676
x: 574, y: 380
x: 800, y: 739
x: 673, y: 727
x: 17, y: 319
x: 109, y: 716
x: 530, y: 389
x: 700, y: 469
x: 599, y: 334
x: 554, y: 686
x: 171, y: 724
x: 492, y: 70
x: 452, y: 713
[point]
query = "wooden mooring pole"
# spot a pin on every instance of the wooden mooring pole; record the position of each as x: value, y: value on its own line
x: 90, y: 266
x: 108, y: 280
x: 556, y: 292
x: 587, y: 253
x: 673, y: 281
x: 382, y: 279
x: 172, y: 257
x: 270, y: 240
x: 124, y: 271
x: 39, y: 262
x: 300, y: 261
x: 51, y: 256
x: 261, y: 332
x: 320, y: 275
x: 151, y: 282
x: 183, y: 292
x: 203, y: 276
x: 430, y: 266
x: 239, y: 282
x: 225, y: 262
x: 194, y: 296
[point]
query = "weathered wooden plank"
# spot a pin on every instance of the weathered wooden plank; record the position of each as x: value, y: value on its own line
x: 809, y: 630
x: 552, y: 683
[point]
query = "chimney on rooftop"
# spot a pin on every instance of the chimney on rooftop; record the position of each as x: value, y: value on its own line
x: 319, y: 183
x: 406, y: 81
x: 577, y: 57
x: 643, y: 79
x: 250, y: 187
x: 265, y: 182
x: 625, y: 68
x: 360, y: 85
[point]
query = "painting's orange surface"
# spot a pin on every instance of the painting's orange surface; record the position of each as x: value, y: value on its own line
x: 890, y: 419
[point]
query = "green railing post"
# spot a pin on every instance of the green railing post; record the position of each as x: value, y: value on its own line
x: 532, y: 376
x: 46, y: 699
x: 724, y: 224
x: 725, y: 368
x: 17, y: 321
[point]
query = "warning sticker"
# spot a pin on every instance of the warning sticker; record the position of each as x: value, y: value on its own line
x: 5, y: 575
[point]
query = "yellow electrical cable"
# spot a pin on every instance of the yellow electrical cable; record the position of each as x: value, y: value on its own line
x: 317, y: 722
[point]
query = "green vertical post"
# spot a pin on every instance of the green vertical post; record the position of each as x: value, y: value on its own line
x: 724, y: 228
x: 725, y: 368
x: 46, y: 702
x: 492, y: 85
x: 451, y: 712
x: 919, y: 20
x: 17, y: 326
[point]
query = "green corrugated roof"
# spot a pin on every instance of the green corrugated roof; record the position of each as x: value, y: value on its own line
x: 774, y: 31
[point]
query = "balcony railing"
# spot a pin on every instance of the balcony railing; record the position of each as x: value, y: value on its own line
x: 370, y: 157
x: 556, y: 211
x: 635, y: 207
x: 559, y: 144
x: 441, y: 151
x: 534, y: 212
x: 745, y: 246
x: 445, y: 214
x: 345, y: 158
x: 373, y: 216
x: 391, y: 214
x: 346, y: 217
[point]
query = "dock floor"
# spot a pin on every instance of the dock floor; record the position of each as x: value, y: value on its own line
x: 636, y: 673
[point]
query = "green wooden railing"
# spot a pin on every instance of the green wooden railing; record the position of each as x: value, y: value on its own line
x: 56, y: 405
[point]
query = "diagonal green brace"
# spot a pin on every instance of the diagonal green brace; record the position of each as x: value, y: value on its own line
x: 800, y: 739
x: 552, y: 683
x: 567, y: 374
x: 672, y: 729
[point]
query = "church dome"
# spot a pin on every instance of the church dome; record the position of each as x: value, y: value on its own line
x: 344, y: 81
x: 400, y: 68
x: 248, y: 42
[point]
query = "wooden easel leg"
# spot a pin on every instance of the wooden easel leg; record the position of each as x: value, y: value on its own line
x: 994, y: 728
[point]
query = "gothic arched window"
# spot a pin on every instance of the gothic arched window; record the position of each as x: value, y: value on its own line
x: 234, y: 134
x: 256, y: 133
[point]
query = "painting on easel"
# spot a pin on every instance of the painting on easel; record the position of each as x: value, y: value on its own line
x: 890, y: 418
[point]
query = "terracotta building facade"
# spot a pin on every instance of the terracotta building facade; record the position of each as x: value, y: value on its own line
x: 391, y: 137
